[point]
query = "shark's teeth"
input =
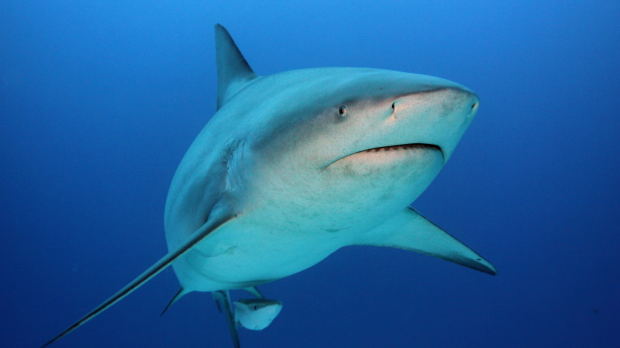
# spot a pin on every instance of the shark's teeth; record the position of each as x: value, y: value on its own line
x: 403, y: 147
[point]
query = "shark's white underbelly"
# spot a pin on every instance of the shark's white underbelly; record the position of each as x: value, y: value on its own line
x: 290, y: 227
x: 242, y: 254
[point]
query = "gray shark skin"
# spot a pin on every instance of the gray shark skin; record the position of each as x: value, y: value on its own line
x: 296, y: 165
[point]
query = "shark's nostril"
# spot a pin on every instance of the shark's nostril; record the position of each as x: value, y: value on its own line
x: 474, y: 105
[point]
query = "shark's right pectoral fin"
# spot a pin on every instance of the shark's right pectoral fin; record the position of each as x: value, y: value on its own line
x: 215, y: 220
x: 411, y: 231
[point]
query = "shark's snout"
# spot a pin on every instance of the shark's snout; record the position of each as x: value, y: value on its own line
x: 443, y: 102
x: 475, y: 103
x: 438, y: 116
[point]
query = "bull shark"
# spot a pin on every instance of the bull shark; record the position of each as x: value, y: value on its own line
x: 295, y: 165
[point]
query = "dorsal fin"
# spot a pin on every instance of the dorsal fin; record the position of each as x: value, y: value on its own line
x: 233, y: 71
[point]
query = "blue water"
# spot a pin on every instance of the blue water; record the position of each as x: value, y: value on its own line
x: 99, y: 100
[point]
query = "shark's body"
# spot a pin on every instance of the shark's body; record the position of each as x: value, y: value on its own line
x: 296, y: 165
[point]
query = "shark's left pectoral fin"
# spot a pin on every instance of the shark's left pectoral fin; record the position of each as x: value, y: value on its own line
x: 411, y: 231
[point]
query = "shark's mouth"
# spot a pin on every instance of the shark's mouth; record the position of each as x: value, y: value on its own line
x: 404, y: 147
x: 392, y: 149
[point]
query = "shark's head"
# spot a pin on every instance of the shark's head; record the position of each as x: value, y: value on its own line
x: 387, y: 111
x: 365, y: 133
x: 344, y: 111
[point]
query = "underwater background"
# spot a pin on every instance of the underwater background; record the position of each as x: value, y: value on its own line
x: 99, y: 100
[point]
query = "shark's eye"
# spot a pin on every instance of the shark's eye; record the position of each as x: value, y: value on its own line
x: 342, y: 110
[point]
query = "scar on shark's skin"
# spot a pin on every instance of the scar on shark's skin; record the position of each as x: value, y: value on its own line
x: 296, y: 165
